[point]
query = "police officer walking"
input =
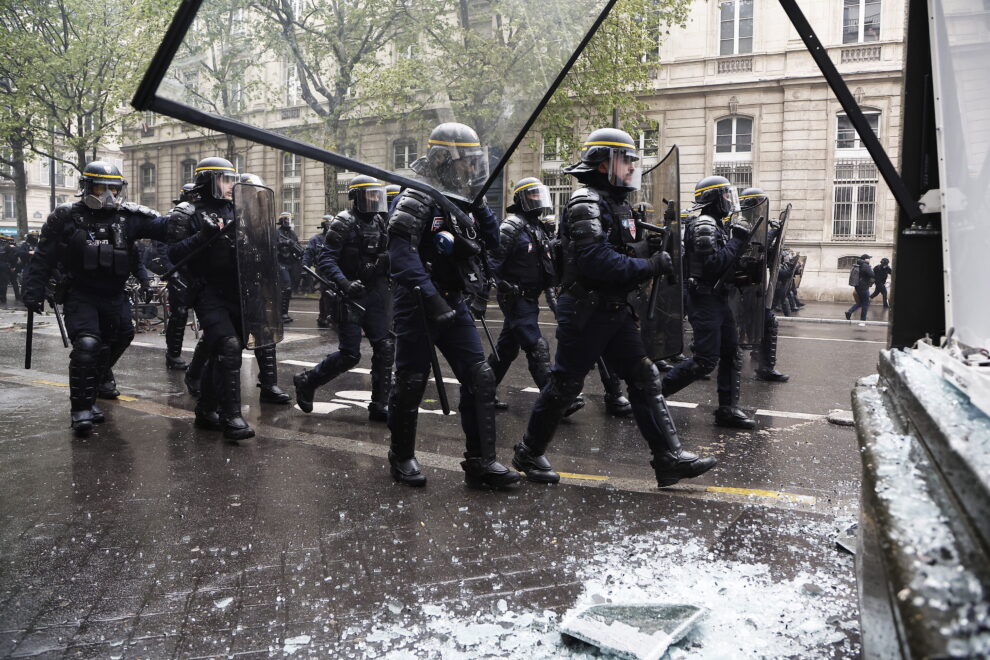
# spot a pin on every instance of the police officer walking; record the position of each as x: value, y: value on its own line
x: 91, y: 243
x: 436, y: 258
x: 524, y: 270
x: 595, y: 319
x: 289, y: 253
x: 710, y: 251
x: 766, y: 351
x: 355, y: 259
x: 178, y: 297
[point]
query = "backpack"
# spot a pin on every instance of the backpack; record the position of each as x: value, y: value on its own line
x: 854, y: 276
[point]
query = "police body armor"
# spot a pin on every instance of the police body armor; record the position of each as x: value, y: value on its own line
x: 451, y: 250
x: 97, y: 246
x: 540, y: 269
x: 588, y: 215
x: 363, y: 253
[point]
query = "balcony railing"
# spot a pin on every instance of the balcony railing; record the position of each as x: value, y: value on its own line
x: 860, y: 54
x: 735, y: 65
x: 290, y: 113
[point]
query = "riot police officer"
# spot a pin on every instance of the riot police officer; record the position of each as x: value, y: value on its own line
x: 289, y: 254
x: 212, y: 275
x: 766, y: 351
x: 178, y: 296
x: 310, y: 252
x: 391, y: 194
x: 523, y: 268
x: 594, y: 317
x: 710, y: 251
x: 355, y: 259
x: 91, y: 243
x: 435, y: 258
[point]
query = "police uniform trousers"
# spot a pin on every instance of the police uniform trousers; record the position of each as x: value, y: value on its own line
x: 178, y: 317
x: 100, y: 327
x: 716, y: 343
x: 520, y: 329
x: 460, y: 345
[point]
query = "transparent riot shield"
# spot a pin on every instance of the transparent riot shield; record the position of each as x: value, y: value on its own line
x: 257, y: 266
x: 748, y: 284
x: 660, y: 302
x: 775, y: 253
x: 799, y: 270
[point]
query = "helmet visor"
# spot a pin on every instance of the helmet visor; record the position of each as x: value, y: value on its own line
x: 464, y: 173
x: 730, y: 200
x: 623, y: 168
x: 99, y: 196
x: 223, y: 184
x: 534, y: 197
x: 369, y: 198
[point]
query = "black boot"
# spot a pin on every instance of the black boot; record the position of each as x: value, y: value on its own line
x: 537, y: 468
x: 616, y: 404
x: 195, y: 371
x: 733, y: 417
x: 268, y: 377
x: 500, y: 405
x: 286, y: 299
x: 98, y: 416
x: 229, y: 383
x: 477, y: 408
x: 766, y: 355
x: 304, y: 391
x: 107, y: 389
x: 403, y: 411
x: 671, y: 462
x: 84, y: 370
x: 382, y: 357
x: 208, y: 400
x: 175, y: 331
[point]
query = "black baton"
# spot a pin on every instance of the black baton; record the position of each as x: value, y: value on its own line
x: 434, y: 361
x: 491, y: 342
x: 29, y: 340
x: 61, y: 324
x: 334, y: 288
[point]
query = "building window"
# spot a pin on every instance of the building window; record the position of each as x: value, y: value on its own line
x: 342, y: 200
x: 63, y: 171
x: 235, y: 97
x: 845, y: 263
x: 648, y: 140
x: 187, y: 169
x: 293, y: 87
x: 147, y: 177
x: 734, y: 138
x: 239, y: 163
x: 9, y: 206
x: 846, y: 136
x: 290, y: 200
x: 739, y: 173
x: 855, y: 200
x: 403, y: 153
x: 860, y: 21
x: 560, y: 186
x: 291, y: 167
x: 735, y: 27
x: 552, y: 149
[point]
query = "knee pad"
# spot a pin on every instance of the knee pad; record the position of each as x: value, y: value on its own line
x: 384, y: 351
x: 645, y: 377
x: 229, y: 352
x: 540, y: 351
x: 86, y: 349
x: 564, y: 388
x: 407, y: 391
x: 349, y: 360
x: 482, y: 383
x: 180, y: 311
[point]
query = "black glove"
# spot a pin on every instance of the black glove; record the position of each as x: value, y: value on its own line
x: 352, y: 289
x: 438, y: 311
x: 740, y: 229
x: 655, y: 241
x: 478, y: 307
x: 209, y: 229
x: 33, y: 301
x: 661, y: 264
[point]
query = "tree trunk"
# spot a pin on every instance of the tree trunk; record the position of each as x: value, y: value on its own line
x: 19, y: 170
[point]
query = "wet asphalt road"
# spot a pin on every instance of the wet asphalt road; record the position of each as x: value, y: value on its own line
x: 130, y: 543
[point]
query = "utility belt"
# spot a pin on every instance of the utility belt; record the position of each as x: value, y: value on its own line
x: 699, y: 288
x: 598, y: 300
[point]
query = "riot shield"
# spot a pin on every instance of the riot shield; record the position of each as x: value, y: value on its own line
x: 775, y: 253
x: 748, y: 288
x: 799, y: 271
x: 661, y: 313
x: 257, y: 265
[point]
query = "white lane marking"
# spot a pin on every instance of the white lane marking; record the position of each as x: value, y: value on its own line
x: 356, y: 370
x: 789, y: 415
x: 852, y: 341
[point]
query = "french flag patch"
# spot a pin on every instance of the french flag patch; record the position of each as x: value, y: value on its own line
x: 437, y: 224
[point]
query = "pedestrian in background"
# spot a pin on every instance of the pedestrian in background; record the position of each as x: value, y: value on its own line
x: 880, y: 274
x: 861, y: 279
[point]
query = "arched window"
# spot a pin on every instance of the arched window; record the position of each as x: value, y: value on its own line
x: 734, y: 150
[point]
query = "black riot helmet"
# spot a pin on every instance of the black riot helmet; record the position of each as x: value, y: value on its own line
x: 612, y: 153
x: 751, y: 197
x: 186, y: 193
x: 325, y: 223
x: 455, y: 162
x: 531, y: 196
x: 391, y: 191
x: 102, y: 186
x: 717, y: 196
x: 215, y: 178
x: 252, y: 179
x: 285, y: 219
x: 367, y: 194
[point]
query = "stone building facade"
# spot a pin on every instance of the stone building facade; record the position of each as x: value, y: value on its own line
x: 738, y: 94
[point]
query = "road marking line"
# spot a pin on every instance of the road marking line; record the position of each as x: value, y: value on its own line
x: 53, y: 383
x: 124, y: 397
x: 586, y: 477
x: 790, y: 415
x: 851, y: 341
x: 756, y: 492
